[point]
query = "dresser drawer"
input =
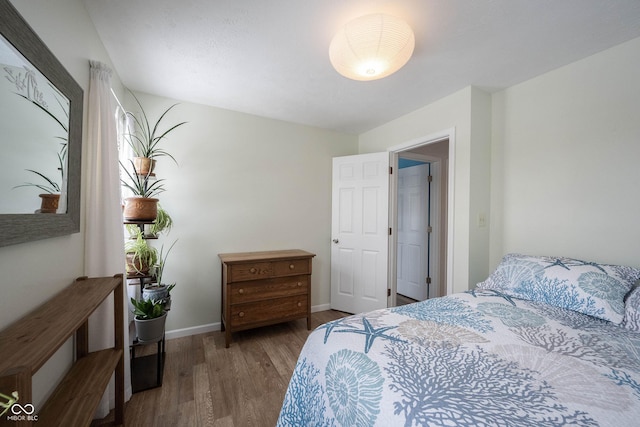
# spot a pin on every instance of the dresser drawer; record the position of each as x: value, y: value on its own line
x: 267, y: 289
x: 254, y: 313
x: 292, y: 266
x: 250, y: 271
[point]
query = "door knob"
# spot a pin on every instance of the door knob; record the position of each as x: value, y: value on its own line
x: 335, y: 240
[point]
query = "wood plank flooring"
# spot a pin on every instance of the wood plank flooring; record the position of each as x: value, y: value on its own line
x: 206, y: 384
x: 404, y: 300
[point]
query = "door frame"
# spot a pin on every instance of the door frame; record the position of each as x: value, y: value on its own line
x: 394, y: 153
x: 434, y: 241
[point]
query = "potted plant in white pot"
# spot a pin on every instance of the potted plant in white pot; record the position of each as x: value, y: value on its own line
x: 160, y: 291
x: 142, y: 206
x: 149, y: 317
x: 146, y: 139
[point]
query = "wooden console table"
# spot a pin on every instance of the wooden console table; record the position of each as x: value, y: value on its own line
x: 29, y: 342
x: 264, y: 288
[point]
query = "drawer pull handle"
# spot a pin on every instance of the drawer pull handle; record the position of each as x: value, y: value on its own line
x: 252, y: 270
x: 299, y: 283
x: 241, y: 291
x: 291, y: 266
x: 241, y: 314
x: 299, y: 304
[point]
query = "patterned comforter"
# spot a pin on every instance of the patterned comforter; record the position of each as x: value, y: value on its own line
x: 481, y: 358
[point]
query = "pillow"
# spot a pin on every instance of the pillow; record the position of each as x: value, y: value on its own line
x: 586, y: 287
x: 632, y: 308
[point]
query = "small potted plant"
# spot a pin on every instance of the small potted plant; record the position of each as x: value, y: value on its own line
x: 140, y: 256
x: 146, y: 139
x: 163, y: 222
x: 51, y: 196
x: 149, y: 317
x: 160, y: 291
x: 143, y: 206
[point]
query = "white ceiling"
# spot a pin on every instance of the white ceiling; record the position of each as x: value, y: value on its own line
x: 270, y: 57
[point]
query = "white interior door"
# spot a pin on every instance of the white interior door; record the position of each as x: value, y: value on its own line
x: 360, y: 232
x: 413, y: 236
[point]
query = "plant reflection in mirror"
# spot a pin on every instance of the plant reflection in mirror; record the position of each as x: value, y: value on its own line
x: 27, y: 88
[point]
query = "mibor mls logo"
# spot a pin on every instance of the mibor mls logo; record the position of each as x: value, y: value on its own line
x: 15, y: 411
x: 20, y: 412
x: 18, y: 409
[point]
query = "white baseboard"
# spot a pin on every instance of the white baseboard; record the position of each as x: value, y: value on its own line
x: 322, y: 307
x: 212, y: 327
x: 194, y: 330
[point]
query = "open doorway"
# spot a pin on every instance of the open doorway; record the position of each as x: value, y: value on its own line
x: 419, y: 211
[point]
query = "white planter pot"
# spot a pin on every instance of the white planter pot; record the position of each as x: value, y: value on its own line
x: 150, y: 330
x: 157, y: 292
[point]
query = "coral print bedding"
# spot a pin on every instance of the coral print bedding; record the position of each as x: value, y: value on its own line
x: 543, y: 342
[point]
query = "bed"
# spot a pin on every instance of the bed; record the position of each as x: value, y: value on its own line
x: 544, y: 341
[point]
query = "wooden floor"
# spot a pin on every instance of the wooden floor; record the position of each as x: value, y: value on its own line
x: 206, y: 384
x: 403, y: 300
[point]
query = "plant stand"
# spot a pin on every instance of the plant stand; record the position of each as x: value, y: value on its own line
x: 147, y: 371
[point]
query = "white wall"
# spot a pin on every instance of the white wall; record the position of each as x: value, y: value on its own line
x: 454, y: 111
x: 565, y: 161
x: 243, y: 183
x: 479, y: 186
x: 33, y: 272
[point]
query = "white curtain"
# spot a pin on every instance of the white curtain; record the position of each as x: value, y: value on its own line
x: 125, y: 127
x: 104, y: 237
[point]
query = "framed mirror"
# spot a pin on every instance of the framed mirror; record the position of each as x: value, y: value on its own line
x: 40, y: 136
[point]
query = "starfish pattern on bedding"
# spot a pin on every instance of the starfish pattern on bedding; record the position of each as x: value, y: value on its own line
x: 558, y: 262
x: 329, y: 327
x: 575, y: 263
x: 371, y: 333
x: 495, y: 294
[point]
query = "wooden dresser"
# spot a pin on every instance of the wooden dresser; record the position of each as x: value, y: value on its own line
x: 264, y: 288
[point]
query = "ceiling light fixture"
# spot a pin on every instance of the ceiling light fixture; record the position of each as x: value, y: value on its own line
x: 371, y: 47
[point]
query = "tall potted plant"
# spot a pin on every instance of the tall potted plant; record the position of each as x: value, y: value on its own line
x: 142, y: 206
x: 146, y: 138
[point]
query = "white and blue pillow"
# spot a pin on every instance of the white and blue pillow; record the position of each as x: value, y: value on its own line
x: 586, y: 287
x: 632, y: 308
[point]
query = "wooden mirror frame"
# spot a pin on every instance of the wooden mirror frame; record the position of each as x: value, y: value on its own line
x: 19, y: 228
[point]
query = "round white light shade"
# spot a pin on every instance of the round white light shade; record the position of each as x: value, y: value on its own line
x: 371, y: 47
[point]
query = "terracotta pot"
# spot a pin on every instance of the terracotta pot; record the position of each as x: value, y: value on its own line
x: 140, y: 209
x: 143, y: 165
x: 136, y: 266
x: 49, y: 203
